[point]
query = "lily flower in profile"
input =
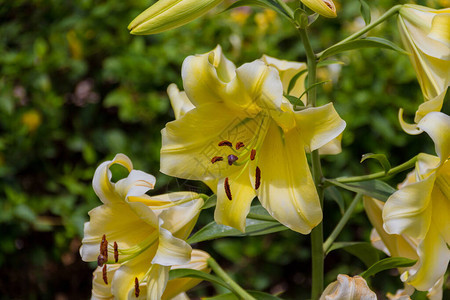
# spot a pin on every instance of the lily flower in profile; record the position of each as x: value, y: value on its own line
x: 136, y: 238
x: 348, y: 288
x: 396, y: 245
x: 325, y: 8
x: 175, y: 288
x: 169, y: 14
x: 244, y: 136
x: 420, y: 209
x: 425, y: 34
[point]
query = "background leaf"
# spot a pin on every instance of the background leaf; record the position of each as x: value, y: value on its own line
x: 363, y: 250
x: 386, y: 264
x: 381, y: 158
x: 180, y: 273
x: 365, y: 11
x: 373, y: 188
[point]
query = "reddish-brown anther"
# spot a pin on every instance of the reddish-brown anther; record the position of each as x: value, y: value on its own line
x: 105, y: 275
x: 257, y: 178
x: 136, y: 287
x: 225, y: 143
x: 116, y: 252
x: 252, y: 154
x: 226, y: 185
x: 216, y: 159
x: 239, y: 145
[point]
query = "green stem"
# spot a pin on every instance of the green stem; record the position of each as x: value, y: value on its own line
x: 317, y: 232
x: 405, y: 166
x: 337, y: 230
x: 369, y: 27
x: 260, y: 217
x: 231, y: 283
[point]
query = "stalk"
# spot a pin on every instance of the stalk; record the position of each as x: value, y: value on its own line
x: 237, y: 289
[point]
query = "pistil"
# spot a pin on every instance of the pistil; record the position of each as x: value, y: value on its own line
x: 232, y: 158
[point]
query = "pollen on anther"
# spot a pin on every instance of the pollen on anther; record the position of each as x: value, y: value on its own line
x: 226, y: 185
x: 116, y: 252
x: 252, y: 154
x: 105, y: 275
x: 239, y: 145
x: 257, y: 178
x: 216, y: 159
x: 225, y: 143
x: 136, y: 287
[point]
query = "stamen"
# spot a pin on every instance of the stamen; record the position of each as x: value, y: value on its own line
x: 116, y: 252
x: 105, y: 275
x: 216, y: 159
x: 232, y: 158
x: 328, y: 4
x: 239, y: 145
x: 252, y: 154
x: 226, y: 185
x: 257, y: 178
x: 136, y: 287
x: 103, y: 256
x: 101, y: 260
x: 226, y: 143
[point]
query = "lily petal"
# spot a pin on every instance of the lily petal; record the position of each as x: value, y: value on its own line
x: 171, y: 250
x: 440, y: 28
x: 319, y: 125
x: 189, y: 143
x: 158, y: 278
x: 100, y: 290
x: 179, y: 101
x: 437, y: 126
x: 287, y: 189
x: 233, y: 212
x: 408, y: 210
x: 205, y: 77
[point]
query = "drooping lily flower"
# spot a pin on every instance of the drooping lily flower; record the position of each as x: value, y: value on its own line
x: 174, y: 290
x: 136, y: 238
x: 396, y: 245
x: 420, y: 209
x: 425, y: 34
x: 169, y: 14
x: 325, y: 8
x: 244, y: 135
x: 348, y: 288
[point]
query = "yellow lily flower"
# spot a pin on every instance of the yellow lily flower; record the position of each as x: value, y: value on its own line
x: 244, y: 135
x: 136, y: 238
x: 325, y: 8
x: 348, y: 288
x: 169, y: 14
x: 396, y: 245
x: 174, y: 290
x: 425, y: 34
x: 421, y: 208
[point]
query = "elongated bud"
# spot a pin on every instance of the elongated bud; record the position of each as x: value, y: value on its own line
x: 169, y: 14
x: 325, y: 8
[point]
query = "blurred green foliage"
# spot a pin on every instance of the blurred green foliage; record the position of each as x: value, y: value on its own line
x: 76, y: 88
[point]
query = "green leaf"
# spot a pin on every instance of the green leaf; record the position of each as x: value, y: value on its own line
x: 328, y: 62
x: 386, y: 264
x: 313, y: 87
x: 256, y: 294
x: 365, y: 11
x: 369, y: 42
x: 271, y: 4
x: 381, y: 158
x: 294, y: 100
x: 181, y: 273
x: 333, y: 193
x: 363, y: 250
x: 258, y: 223
x: 210, y: 202
x: 373, y: 188
x: 294, y: 79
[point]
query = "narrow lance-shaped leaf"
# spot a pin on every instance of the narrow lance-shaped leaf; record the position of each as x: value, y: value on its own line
x: 370, y: 42
x: 181, y: 273
x: 381, y: 158
x: 363, y: 250
x: 386, y: 264
x: 373, y: 188
x: 365, y: 11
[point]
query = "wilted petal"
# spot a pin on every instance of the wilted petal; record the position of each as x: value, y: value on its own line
x: 233, y: 212
x: 287, y: 190
x: 319, y: 125
x: 348, y: 288
x: 169, y: 14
